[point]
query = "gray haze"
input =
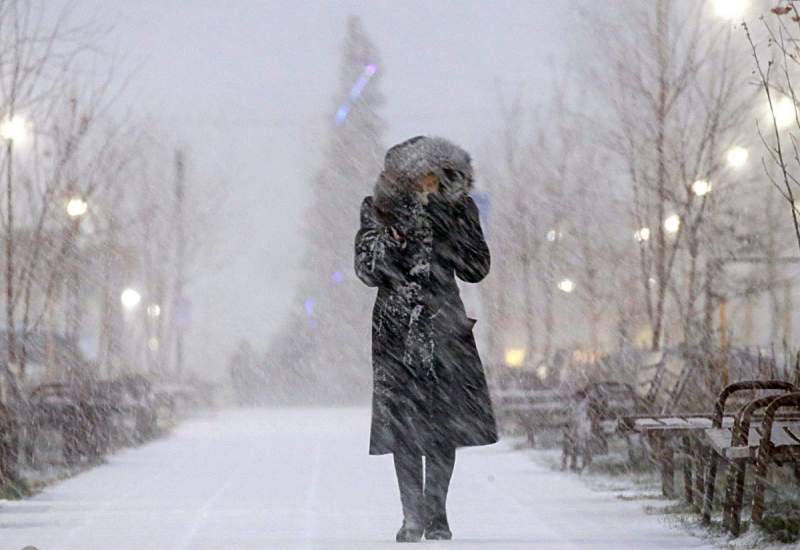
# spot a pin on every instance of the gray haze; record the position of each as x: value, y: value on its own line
x: 247, y: 87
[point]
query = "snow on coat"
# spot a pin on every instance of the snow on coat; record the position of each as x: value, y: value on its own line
x: 429, y: 388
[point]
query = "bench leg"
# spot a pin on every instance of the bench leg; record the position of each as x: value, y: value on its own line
x: 587, y: 456
x: 667, y: 470
x: 698, y: 452
x: 762, y: 464
x: 687, y: 469
x: 709, y: 481
x: 736, y: 476
x: 568, y: 451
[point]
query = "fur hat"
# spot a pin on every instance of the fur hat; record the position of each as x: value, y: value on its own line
x: 408, y: 161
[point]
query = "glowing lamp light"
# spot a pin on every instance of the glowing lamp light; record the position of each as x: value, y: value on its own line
x: 308, y: 305
x: 730, y: 9
x: 130, y: 298
x: 784, y: 112
x: 515, y: 357
x: 701, y: 188
x: 566, y: 285
x: 13, y: 129
x: 153, y: 310
x: 152, y: 343
x: 553, y: 235
x: 77, y: 207
x: 737, y: 156
x: 542, y: 372
x: 337, y: 277
x: 642, y: 235
x: 672, y: 224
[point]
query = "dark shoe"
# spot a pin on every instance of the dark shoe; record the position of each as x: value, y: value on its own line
x: 409, y: 532
x: 438, y: 529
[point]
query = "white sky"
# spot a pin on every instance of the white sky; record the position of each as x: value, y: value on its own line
x: 247, y: 84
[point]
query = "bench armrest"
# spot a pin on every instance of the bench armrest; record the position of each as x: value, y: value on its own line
x: 787, y: 400
x: 741, y: 425
x: 745, y: 385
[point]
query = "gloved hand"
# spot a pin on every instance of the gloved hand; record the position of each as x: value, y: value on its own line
x: 443, y: 214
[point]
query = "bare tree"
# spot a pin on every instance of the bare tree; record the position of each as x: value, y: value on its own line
x: 676, y: 90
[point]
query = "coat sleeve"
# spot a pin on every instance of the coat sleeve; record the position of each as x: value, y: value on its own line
x: 472, y: 259
x: 377, y: 253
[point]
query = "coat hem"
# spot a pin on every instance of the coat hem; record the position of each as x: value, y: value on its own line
x: 388, y: 451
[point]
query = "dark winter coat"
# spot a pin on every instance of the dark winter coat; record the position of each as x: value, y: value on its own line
x: 429, y: 390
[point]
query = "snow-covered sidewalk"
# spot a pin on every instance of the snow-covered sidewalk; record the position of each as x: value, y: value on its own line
x: 301, y: 479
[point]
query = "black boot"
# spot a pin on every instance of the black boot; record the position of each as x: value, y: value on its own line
x: 409, y: 479
x: 409, y: 532
x: 438, y: 471
x: 436, y: 525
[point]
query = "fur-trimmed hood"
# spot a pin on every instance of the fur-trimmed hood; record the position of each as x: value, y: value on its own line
x: 417, y: 157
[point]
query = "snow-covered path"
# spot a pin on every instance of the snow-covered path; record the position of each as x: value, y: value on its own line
x: 301, y: 479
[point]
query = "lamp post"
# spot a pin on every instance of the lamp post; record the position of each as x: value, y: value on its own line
x: 180, y: 306
x: 130, y: 345
x: 76, y: 209
x: 12, y: 130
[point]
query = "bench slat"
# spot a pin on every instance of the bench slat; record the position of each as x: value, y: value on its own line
x: 783, y: 435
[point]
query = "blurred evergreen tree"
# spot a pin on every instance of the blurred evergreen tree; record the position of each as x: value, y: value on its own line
x: 329, y: 357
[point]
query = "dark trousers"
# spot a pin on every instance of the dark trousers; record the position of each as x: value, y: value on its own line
x: 424, y: 503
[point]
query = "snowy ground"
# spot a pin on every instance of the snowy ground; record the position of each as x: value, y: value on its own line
x: 301, y: 479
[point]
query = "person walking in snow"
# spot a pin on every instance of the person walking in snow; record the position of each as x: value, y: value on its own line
x: 419, y: 230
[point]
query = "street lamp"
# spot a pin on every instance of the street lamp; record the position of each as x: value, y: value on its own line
x: 13, y: 129
x: 77, y: 207
x: 553, y: 235
x: 542, y: 372
x: 730, y: 9
x: 642, y: 235
x: 566, y: 286
x: 737, y: 156
x: 130, y: 298
x: 701, y: 188
x: 672, y: 224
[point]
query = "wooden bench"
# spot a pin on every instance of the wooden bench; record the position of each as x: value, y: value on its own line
x: 534, y: 411
x: 661, y: 433
x: 750, y: 440
x: 667, y: 434
x: 775, y: 447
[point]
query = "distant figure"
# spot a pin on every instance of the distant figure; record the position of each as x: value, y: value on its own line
x: 418, y: 231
